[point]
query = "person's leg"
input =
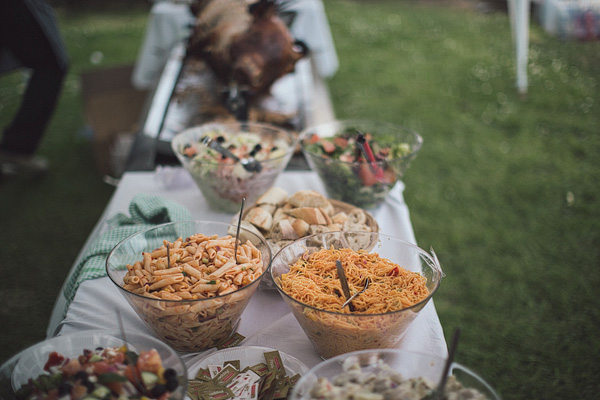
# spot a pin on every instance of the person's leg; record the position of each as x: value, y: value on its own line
x: 29, y: 43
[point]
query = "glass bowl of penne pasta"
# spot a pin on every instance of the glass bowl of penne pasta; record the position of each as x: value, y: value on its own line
x: 389, y: 280
x: 190, y: 281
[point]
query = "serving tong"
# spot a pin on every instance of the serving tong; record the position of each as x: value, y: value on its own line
x: 346, y: 288
x: 438, y: 393
x: 250, y: 164
x: 237, y: 231
x: 365, y: 149
x: 367, y: 281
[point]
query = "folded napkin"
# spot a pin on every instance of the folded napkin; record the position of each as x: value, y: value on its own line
x: 145, y: 211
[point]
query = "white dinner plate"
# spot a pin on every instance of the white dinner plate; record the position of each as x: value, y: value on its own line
x: 248, y: 356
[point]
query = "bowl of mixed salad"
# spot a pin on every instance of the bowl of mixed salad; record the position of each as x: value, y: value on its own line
x: 100, y: 364
x: 233, y: 161
x: 360, y: 161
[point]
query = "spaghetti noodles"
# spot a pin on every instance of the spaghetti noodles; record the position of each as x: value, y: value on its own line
x: 313, y: 280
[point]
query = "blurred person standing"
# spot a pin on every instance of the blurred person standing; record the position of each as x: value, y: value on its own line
x: 29, y: 37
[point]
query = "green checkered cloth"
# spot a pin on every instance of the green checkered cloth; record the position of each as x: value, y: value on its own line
x: 145, y: 211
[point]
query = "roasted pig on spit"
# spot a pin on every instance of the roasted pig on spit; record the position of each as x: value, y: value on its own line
x: 247, y: 46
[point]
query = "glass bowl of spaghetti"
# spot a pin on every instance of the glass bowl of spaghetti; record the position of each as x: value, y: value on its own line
x: 185, y: 283
x: 402, y: 280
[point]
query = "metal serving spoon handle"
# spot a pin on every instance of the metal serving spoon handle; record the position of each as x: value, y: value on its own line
x: 344, y: 282
x: 249, y: 164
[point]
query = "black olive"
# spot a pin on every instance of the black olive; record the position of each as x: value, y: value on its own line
x: 89, y: 385
x: 172, y: 384
x: 220, y: 139
x: 256, y: 149
x: 171, y: 377
x: 81, y: 376
x: 64, y: 388
x: 158, y: 390
x: 169, y: 373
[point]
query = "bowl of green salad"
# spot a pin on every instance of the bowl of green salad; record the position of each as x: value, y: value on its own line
x: 360, y: 161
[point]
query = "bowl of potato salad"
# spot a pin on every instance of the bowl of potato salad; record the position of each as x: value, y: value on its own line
x: 190, y: 281
x: 381, y: 374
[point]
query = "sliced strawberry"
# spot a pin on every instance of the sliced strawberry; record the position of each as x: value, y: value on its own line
x: 366, y: 176
x: 100, y: 367
x: 314, y: 138
x: 347, y: 158
x: 328, y: 147
x: 54, y: 359
x: 340, y: 142
x: 115, y: 387
x: 72, y: 367
x: 149, y: 361
x: 190, y: 151
x: 389, y: 176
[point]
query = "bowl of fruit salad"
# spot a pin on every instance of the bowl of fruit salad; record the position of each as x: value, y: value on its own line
x: 358, y: 161
x: 100, y: 364
x: 233, y: 161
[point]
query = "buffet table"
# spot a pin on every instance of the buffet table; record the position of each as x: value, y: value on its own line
x: 267, y: 321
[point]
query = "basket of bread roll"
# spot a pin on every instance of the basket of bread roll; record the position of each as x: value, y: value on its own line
x: 281, y: 218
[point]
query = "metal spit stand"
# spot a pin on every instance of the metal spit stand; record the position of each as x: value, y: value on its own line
x: 163, y: 116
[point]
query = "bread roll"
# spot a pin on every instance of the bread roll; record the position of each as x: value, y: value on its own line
x: 301, y: 227
x: 309, y: 198
x: 311, y: 215
x: 260, y: 218
x: 276, y: 196
x: 340, y: 218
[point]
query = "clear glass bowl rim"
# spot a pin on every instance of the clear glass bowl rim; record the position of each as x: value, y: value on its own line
x: 342, y: 123
x: 189, y: 133
x: 339, y: 358
x: 128, y: 337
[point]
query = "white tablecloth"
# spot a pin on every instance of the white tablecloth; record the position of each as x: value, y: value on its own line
x: 267, y: 321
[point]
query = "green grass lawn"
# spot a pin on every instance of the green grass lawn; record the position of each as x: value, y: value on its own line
x: 505, y: 189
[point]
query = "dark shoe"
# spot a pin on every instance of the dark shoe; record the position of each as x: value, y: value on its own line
x: 19, y: 164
